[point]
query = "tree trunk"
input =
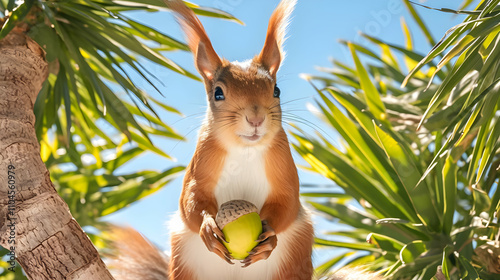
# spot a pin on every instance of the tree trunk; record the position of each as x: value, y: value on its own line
x: 35, y: 223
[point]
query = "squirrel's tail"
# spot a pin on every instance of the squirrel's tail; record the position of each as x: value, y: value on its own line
x: 134, y: 257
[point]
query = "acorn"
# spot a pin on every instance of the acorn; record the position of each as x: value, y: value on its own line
x: 241, y: 226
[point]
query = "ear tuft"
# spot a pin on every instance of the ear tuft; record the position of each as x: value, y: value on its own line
x: 206, y: 59
x: 272, y: 53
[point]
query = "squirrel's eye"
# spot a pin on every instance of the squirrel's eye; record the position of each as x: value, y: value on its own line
x: 219, y: 94
x: 277, y: 91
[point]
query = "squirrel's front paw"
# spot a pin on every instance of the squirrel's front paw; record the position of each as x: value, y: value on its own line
x: 212, y: 236
x: 267, y: 243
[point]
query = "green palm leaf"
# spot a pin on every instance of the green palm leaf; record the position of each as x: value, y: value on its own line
x: 419, y: 197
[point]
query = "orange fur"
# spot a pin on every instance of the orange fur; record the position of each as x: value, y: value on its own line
x: 200, y: 179
x: 283, y: 203
x: 272, y: 53
x: 207, y: 60
x: 133, y: 255
x: 178, y: 271
x: 299, y: 265
x: 244, y: 90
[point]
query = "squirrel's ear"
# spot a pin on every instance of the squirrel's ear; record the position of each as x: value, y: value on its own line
x: 206, y: 59
x: 272, y: 54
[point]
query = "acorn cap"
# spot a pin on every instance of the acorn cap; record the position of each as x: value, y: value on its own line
x: 232, y: 210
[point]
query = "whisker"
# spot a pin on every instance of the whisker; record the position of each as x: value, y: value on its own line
x: 199, y: 115
x: 196, y: 127
x: 225, y: 126
x: 235, y: 112
x: 295, y: 110
x: 285, y: 77
x: 297, y: 99
x: 331, y: 139
x: 290, y: 101
x: 299, y: 119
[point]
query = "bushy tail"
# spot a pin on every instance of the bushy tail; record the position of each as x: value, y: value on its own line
x: 134, y: 257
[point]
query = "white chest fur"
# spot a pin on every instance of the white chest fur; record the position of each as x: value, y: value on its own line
x: 243, y: 176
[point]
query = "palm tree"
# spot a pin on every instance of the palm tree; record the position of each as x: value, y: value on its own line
x: 63, y: 62
x: 419, y: 165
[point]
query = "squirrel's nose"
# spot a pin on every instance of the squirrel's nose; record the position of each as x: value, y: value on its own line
x: 255, y: 121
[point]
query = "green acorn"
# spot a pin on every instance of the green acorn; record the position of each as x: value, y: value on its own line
x: 241, y: 226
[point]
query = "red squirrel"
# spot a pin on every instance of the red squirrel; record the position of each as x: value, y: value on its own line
x: 242, y: 153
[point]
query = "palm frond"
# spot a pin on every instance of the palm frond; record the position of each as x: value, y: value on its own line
x: 421, y: 197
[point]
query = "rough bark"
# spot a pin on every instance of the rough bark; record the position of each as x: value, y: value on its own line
x: 49, y: 243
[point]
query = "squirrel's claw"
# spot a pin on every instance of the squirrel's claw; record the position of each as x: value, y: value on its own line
x: 212, y: 236
x: 267, y: 231
x: 262, y: 251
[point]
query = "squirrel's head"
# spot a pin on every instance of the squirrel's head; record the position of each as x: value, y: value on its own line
x: 244, y: 98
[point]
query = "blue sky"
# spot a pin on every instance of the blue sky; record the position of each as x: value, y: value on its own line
x: 316, y: 27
